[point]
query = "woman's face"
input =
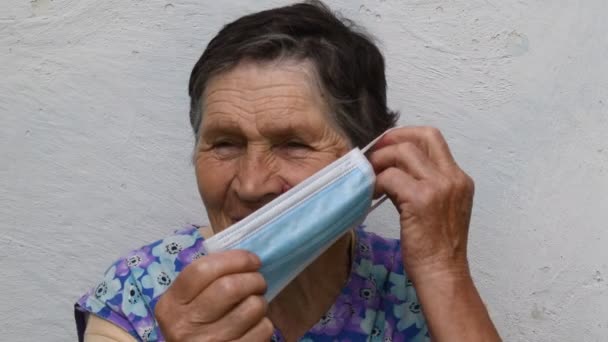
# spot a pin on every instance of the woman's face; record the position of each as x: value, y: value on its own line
x: 264, y: 130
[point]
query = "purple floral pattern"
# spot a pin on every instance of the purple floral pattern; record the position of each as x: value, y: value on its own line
x: 378, y: 303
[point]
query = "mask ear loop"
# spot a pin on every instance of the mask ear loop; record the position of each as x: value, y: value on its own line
x: 371, y: 144
x: 382, y: 198
x: 377, y: 203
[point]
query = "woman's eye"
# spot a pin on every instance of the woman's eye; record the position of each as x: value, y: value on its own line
x: 226, y: 148
x: 223, y: 144
x: 296, y: 145
x: 295, y: 149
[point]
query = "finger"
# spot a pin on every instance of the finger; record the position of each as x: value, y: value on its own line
x: 428, y: 139
x: 405, y: 156
x: 203, y: 271
x: 261, y: 332
x: 226, y: 293
x: 241, y: 319
x: 396, y: 184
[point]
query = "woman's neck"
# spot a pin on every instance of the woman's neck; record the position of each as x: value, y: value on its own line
x: 310, y: 295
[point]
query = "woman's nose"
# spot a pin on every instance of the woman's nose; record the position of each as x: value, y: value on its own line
x: 258, y: 180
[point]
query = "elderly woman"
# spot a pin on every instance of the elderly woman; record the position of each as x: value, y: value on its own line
x: 275, y: 97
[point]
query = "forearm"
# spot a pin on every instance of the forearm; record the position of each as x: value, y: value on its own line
x: 453, y: 308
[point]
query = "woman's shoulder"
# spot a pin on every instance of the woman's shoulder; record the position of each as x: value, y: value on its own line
x: 386, y: 296
x: 173, y: 253
x: 131, y: 286
x: 378, y: 263
x: 377, y: 249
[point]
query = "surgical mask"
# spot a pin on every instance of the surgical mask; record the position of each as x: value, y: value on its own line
x: 291, y: 231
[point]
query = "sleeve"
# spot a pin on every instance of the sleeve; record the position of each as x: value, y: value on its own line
x: 132, y: 286
x: 118, y: 299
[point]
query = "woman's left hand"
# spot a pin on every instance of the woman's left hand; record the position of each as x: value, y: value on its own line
x: 416, y: 170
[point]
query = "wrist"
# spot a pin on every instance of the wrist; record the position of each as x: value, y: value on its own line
x: 431, y: 274
x: 452, y: 305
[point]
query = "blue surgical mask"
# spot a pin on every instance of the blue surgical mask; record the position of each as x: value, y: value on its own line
x: 291, y: 231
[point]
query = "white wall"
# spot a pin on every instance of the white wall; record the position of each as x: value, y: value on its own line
x: 95, y: 143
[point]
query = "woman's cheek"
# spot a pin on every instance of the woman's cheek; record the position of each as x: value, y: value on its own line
x: 294, y: 172
x: 213, y: 178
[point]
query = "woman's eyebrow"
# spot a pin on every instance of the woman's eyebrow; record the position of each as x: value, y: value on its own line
x: 220, y: 126
x: 285, y: 130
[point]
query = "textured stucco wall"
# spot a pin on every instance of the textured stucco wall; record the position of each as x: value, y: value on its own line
x: 95, y: 143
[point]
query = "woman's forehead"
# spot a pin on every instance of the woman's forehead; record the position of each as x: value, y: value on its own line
x: 250, y: 80
x: 290, y: 126
x: 277, y: 97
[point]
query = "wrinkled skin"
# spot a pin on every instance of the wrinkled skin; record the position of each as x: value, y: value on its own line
x: 264, y: 130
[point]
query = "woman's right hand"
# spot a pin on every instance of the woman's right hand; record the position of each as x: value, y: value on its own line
x: 219, y: 297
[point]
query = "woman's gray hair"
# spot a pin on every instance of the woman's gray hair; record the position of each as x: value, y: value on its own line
x: 349, y: 66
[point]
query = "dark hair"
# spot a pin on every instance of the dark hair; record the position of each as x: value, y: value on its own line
x: 349, y: 66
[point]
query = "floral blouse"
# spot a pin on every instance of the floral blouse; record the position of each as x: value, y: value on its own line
x: 378, y: 302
